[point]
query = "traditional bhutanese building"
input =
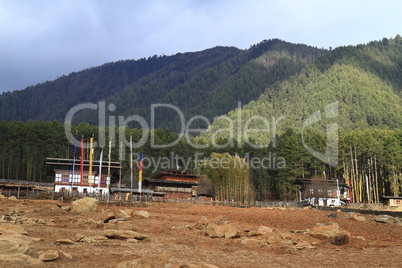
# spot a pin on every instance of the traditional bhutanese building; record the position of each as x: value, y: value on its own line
x: 322, y: 192
x: 176, y: 184
x: 67, y: 175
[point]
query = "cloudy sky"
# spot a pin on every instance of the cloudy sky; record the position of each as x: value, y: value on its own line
x: 43, y: 39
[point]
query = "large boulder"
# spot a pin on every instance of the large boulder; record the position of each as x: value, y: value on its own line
x: 13, y: 245
x: 84, y: 205
x: 12, y: 229
x: 325, y: 231
x: 222, y: 230
x: 19, y: 261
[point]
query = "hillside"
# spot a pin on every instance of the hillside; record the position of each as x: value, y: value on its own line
x: 208, y: 83
x: 365, y: 81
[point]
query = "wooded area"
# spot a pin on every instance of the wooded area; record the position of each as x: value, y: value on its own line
x: 370, y: 156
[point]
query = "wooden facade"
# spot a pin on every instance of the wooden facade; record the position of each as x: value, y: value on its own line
x: 392, y: 201
x: 322, y: 192
x: 176, y: 184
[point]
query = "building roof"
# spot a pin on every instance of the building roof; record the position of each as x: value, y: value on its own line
x: 69, y: 162
x: 302, y: 181
x: 176, y: 174
x: 170, y: 182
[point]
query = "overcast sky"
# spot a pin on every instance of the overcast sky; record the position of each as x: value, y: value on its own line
x: 41, y: 40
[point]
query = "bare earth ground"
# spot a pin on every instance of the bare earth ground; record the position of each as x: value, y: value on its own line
x: 170, y: 228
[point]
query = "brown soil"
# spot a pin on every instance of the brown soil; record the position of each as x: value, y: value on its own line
x: 171, y: 230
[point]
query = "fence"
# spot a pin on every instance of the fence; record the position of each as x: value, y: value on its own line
x: 126, y: 199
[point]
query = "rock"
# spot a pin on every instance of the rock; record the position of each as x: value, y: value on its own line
x: 384, y: 219
x: 224, y: 230
x: 65, y: 255
x: 12, y: 229
x: 99, y: 238
x: 214, y: 230
x: 78, y: 237
x: 263, y: 230
x: 286, y: 235
x: 324, y: 231
x: 398, y: 221
x: 13, y: 245
x: 358, y: 237
x: 342, y: 238
x: 231, y: 231
x: 19, y: 260
x: 201, y: 223
x: 152, y: 261
x: 37, y: 239
x: 84, y: 205
x: 123, y: 234
x: 13, y: 198
x: 332, y: 215
x: 308, y: 208
x: 142, y: 213
x: 252, y: 233
x: 64, y: 241
x: 354, y: 216
x: 50, y: 255
x: 123, y: 215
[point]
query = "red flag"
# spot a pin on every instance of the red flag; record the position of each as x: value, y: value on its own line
x: 82, y: 162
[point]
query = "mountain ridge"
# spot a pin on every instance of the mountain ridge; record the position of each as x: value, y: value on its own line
x: 203, y: 81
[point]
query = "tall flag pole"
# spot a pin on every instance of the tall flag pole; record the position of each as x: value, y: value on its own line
x: 82, y: 162
x: 91, y: 153
x: 73, y: 167
x: 108, y: 168
x: 131, y: 161
x: 140, y: 174
x: 100, y: 170
x: 121, y: 157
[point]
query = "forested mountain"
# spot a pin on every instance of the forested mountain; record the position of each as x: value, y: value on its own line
x: 364, y: 80
x: 207, y: 83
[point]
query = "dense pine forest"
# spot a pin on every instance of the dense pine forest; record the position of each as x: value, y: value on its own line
x: 281, y: 86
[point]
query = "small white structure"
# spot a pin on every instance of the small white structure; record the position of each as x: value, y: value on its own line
x: 64, y: 181
x: 71, y: 176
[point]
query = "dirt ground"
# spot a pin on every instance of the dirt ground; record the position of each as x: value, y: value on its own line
x: 171, y: 230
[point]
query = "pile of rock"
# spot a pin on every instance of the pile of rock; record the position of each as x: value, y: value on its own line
x: 16, y: 248
x: 264, y: 236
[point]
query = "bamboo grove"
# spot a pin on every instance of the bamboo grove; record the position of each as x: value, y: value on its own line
x: 371, y: 159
